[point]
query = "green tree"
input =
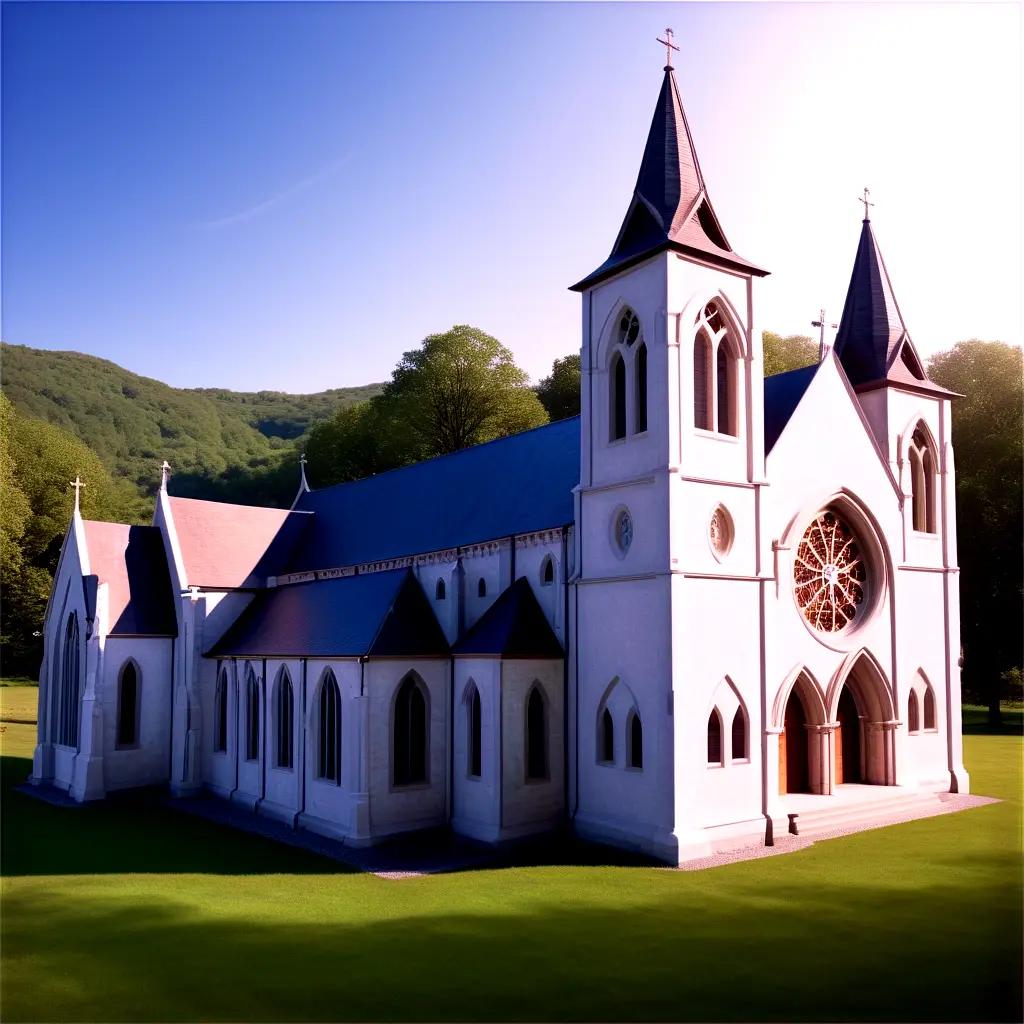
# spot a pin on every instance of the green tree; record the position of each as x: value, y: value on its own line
x: 987, y: 437
x: 559, y: 392
x: 356, y: 442
x: 789, y: 353
x: 458, y: 389
x: 37, y: 463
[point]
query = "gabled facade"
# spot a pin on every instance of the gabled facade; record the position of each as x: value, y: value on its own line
x: 708, y: 604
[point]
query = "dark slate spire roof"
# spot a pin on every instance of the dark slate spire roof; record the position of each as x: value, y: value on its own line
x: 515, y: 626
x: 670, y: 208
x: 873, y: 343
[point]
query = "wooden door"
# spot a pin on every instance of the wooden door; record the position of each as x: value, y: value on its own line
x: 782, y: 762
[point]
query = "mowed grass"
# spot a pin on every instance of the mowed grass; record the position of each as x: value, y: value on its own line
x: 133, y: 913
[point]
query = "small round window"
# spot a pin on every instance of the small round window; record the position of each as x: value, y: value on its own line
x: 829, y: 574
x: 720, y: 532
x: 623, y: 530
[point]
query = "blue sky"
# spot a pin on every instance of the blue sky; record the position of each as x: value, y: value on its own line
x: 290, y: 196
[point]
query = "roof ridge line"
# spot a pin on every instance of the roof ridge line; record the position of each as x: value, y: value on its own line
x: 437, y: 458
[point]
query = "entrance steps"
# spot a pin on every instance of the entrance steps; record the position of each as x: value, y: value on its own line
x: 856, y: 806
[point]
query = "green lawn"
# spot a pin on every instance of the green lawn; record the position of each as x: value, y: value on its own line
x: 120, y: 913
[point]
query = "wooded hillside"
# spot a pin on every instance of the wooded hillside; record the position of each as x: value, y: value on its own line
x: 217, y: 441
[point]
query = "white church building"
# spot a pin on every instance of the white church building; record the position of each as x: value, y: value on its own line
x: 710, y: 602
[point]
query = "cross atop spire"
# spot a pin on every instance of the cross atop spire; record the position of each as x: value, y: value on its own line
x: 822, y: 323
x: 78, y: 485
x: 864, y: 199
x: 165, y: 474
x: 303, y: 483
x: 669, y: 47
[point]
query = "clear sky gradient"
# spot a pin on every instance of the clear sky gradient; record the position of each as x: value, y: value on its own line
x: 263, y: 196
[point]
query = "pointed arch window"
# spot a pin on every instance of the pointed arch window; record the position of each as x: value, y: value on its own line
x: 739, y: 736
x: 328, y: 766
x: 913, y: 714
x: 715, y: 374
x: 475, y: 731
x: 284, y: 715
x: 714, y: 738
x: 481, y: 587
x: 220, y: 714
x: 536, y: 735
x: 68, y: 694
x: 128, y: 706
x: 634, y: 741
x: 929, y: 708
x: 409, y: 734
x: 606, y: 738
x: 440, y: 591
x: 640, y: 400
x: 922, y: 482
x: 547, y: 572
x: 252, y: 717
x: 618, y: 397
x: 701, y: 398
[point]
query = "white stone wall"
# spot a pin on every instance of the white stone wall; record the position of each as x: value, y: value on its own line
x: 147, y: 762
x: 476, y: 807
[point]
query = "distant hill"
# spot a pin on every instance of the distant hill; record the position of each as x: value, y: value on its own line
x: 231, y: 445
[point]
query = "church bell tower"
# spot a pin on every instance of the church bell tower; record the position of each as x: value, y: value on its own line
x: 672, y: 462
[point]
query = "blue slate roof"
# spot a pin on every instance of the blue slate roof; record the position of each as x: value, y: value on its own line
x: 381, y: 614
x: 517, y: 484
x: 515, y: 626
x: 782, y: 394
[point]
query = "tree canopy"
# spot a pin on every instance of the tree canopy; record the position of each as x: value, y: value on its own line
x: 559, y: 392
x: 989, y: 444
x: 787, y: 353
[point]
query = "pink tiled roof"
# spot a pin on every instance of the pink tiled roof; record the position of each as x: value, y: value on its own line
x: 132, y: 562
x: 224, y: 545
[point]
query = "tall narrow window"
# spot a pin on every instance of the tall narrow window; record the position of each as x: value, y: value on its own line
x: 913, y: 715
x: 547, y: 572
x: 723, y: 372
x: 701, y: 398
x: 606, y: 738
x: 439, y: 591
x: 739, y: 736
x: 635, y: 735
x: 409, y: 734
x: 329, y: 719
x: 640, y: 369
x: 475, y: 732
x: 481, y: 587
x: 67, y: 719
x: 929, y: 708
x: 922, y: 483
x: 714, y: 737
x: 128, y: 706
x: 220, y: 714
x: 536, y: 735
x: 284, y: 713
x: 252, y: 717
x: 618, y: 397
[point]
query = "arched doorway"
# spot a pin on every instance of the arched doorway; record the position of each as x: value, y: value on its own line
x: 848, y: 740
x: 794, y: 763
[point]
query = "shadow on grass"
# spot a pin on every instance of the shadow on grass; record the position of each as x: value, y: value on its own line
x: 976, y: 722
x: 836, y: 950
x: 130, y: 835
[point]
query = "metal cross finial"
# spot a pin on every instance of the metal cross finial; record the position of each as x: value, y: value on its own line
x: 669, y: 46
x: 822, y: 323
x: 78, y: 485
x: 864, y: 200
x: 165, y: 474
x: 302, y: 458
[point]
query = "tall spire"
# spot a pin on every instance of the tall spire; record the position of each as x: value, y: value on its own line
x: 670, y: 207
x: 873, y: 343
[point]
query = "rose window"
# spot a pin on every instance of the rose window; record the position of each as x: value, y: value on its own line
x: 829, y: 574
